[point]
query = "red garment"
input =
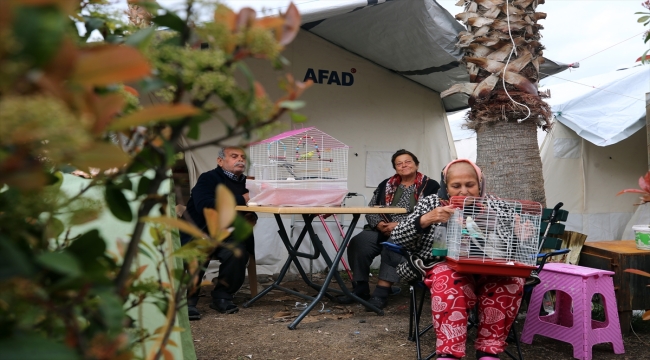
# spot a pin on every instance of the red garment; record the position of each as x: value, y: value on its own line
x: 393, y: 183
x: 453, y: 295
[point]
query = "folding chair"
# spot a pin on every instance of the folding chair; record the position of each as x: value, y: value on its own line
x: 549, y: 230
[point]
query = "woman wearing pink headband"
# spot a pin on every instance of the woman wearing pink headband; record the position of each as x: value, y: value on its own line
x: 453, y: 294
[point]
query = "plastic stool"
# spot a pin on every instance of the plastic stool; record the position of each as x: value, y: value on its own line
x: 576, y: 284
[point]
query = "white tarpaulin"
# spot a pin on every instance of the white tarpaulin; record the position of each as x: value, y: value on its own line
x: 608, y: 113
x: 584, y: 176
x: 413, y: 38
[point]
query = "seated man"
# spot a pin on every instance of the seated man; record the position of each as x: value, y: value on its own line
x: 402, y: 190
x: 230, y: 172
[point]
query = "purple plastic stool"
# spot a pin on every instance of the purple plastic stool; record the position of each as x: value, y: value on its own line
x: 574, y: 285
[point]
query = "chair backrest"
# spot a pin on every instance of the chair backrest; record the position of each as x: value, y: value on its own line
x: 551, y: 241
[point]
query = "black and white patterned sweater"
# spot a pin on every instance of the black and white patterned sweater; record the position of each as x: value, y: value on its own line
x: 418, y: 241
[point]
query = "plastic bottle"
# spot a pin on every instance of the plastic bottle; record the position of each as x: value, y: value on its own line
x: 439, y: 242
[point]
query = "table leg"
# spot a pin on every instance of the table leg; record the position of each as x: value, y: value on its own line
x: 333, y: 271
x: 625, y: 318
x: 294, y: 254
x: 252, y: 275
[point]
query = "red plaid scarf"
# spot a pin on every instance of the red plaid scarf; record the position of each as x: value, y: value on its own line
x: 393, y: 183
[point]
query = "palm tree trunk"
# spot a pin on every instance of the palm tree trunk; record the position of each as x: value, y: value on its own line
x: 503, y: 55
x: 508, y: 154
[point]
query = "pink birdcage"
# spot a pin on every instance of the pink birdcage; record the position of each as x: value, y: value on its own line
x: 304, y: 167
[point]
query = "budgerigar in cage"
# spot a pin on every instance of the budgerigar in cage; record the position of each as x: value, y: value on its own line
x: 473, y: 229
x: 306, y: 156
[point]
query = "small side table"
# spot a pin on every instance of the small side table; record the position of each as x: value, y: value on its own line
x: 632, y: 291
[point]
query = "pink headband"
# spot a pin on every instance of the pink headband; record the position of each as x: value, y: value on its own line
x: 479, y: 173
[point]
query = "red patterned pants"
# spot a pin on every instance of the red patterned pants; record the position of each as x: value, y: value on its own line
x: 453, y: 295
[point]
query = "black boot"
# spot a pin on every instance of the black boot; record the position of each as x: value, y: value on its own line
x: 379, y: 297
x: 192, y: 312
x: 361, y: 289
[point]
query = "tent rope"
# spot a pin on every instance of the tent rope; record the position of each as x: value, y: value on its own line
x: 592, y: 86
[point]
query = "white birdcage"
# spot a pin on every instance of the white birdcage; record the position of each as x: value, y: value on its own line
x: 494, y: 236
x: 304, y: 167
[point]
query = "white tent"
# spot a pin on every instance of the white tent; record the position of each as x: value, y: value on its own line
x: 597, y: 147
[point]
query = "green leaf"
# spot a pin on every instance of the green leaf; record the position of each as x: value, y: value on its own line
x: 61, y: 262
x: 170, y: 153
x: 143, y: 186
x: 162, y: 305
x: 243, y: 229
x: 88, y: 247
x: 194, y: 125
x: 59, y: 180
x: 153, y: 232
x: 43, y: 28
x: 112, y: 310
x: 53, y: 180
x: 145, y: 252
x: 193, y: 132
x: 170, y: 20
x: 151, y: 84
x: 643, y: 18
x: 117, y: 203
x: 54, y: 228
x: 292, y: 105
x: 643, y: 57
x: 13, y: 261
x: 299, y: 118
x: 33, y: 346
x: 92, y: 24
x: 141, y: 38
x: 146, y: 159
x: 250, y: 79
x: 123, y: 183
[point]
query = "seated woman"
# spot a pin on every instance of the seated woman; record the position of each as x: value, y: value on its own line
x: 403, y: 189
x: 453, y: 294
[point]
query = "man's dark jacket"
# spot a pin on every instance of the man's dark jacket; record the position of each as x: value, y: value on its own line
x: 203, y: 196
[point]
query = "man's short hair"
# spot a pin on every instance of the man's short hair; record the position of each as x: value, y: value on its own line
x: 404, y: 152
x: 222, y: 151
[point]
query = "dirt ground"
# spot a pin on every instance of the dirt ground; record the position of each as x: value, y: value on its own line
x: 348, y: 332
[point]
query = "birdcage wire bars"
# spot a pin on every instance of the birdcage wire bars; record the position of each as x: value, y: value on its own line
x: 494, y: 236
x: 304, y: 167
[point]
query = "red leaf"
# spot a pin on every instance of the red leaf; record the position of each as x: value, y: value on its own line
x: 647, y: 182
x: 157, y: 113
x: 291, y: 25
x: 104, y: 65
x: 131, y: 90
x: 224, y: 15
x: 105, y: 108
x: 637, y: 272
x: 259, y: 90
x: 245, y: 18
x: 646, y: 315
x: 636, y: 191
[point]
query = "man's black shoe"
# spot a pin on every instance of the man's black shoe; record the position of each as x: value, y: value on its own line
x: 224, y: 306
x: 344, y: 299
x: 377, y: 301
x: 193, y: 313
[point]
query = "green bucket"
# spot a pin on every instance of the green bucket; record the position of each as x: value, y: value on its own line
x: 642, y: 236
